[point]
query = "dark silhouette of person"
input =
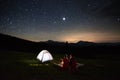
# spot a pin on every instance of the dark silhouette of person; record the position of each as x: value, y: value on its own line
x: 65, y: 63
x: 72, y: 63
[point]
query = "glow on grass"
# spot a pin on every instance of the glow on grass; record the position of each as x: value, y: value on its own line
x: 39, y: 64
x: 28, y: 61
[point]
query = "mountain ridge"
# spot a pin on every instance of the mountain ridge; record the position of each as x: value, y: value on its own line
x: 81, y: 48
x: 53, y: 41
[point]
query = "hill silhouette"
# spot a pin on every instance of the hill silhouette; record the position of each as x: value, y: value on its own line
x: 81, y: 48
x: 8, y: 42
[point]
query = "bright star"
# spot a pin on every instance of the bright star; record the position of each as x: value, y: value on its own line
x: 63, y: 18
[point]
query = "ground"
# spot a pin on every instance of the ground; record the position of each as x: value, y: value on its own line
x: 24, y: 66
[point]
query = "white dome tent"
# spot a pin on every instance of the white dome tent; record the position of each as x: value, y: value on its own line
x: 44, y: 56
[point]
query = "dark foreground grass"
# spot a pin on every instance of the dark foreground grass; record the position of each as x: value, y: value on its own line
x: 24, y: 66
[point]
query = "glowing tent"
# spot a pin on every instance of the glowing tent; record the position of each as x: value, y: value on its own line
x: 44, y: 56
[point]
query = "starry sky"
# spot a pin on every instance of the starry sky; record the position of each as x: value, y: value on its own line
x: 61, y: 20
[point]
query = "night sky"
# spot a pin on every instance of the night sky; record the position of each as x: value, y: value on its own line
x: 61, y: 20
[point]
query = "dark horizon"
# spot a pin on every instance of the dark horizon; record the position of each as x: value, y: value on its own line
x: 80, y: 41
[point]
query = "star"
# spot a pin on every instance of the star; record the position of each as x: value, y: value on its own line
x: 10, y: 22
x: 63, y: 18
x: 89, y: 5
x: 118, y: 19
x: 54, y: 22
x: 34, y: 19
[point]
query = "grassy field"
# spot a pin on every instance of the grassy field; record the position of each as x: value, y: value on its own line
x: 24, y: 66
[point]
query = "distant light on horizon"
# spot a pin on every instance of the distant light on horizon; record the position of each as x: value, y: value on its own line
x: 75, y: 37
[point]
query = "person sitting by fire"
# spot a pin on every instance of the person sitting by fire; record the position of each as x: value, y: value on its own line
x: 72, y: 63
x: 65, y: 63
